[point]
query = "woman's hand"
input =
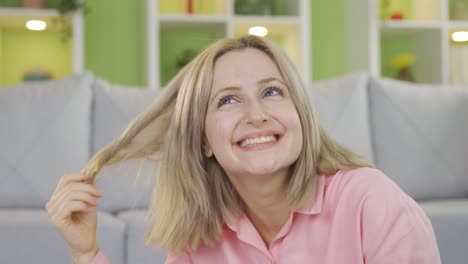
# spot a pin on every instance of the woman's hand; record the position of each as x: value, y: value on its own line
x: 72, y: 210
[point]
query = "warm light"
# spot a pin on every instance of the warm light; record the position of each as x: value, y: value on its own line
x: 460, y: 36
x: 36, y: 25
x: 258, y: 31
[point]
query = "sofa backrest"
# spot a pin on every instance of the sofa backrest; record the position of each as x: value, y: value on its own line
x: 420, y: 135
x: 45, y: 132
x: 114, y: 107
x: 342, y: 107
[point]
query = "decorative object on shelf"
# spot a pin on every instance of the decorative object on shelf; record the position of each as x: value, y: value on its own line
x: 396, y: 16
x: 186, y: 56
x: 33, y: 3
x: 190, y: 6
x: 37, y: 74
x: 402, y: 63
x: 254, y: 7
x: 67, y: 7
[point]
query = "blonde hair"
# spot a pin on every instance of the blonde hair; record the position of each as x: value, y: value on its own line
x: 193, y: 196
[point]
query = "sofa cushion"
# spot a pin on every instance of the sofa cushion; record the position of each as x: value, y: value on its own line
x: 127, y: 185
x: 342, y: 107
x: 420, y: 137
x: 137, y: 251
x: 45, y: 133
x: 28, y: 236
x: 114, y: 107
x: 450, y: 221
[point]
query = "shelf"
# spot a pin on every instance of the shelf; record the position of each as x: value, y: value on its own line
x: 267, y: 19
x: 192, y: 18
x: 194, y: 26
x: 29, y: 12
x: 410, y: 24
x: 458, y: 24
x: 16, y: 18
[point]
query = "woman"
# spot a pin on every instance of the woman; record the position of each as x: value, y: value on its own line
x: 247, y: 174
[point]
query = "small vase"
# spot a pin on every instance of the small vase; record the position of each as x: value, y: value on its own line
x: 33, y: 3
x: 404, y: 74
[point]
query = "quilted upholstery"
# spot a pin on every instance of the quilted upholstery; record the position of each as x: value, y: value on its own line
x: 342, y: 106
x: 114, y: 107
x: 420, y: 137
x: 28, y: 236
x: 45, y: 133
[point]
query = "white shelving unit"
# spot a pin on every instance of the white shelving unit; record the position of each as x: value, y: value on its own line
x: 18, y: 16
x: 292, y: 30
x: 426, y: 34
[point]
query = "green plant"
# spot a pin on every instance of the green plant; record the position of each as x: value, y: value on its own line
x: 65, y: 9
x: 69, y: 6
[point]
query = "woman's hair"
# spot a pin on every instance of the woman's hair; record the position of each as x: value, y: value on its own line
x: 193, y: 196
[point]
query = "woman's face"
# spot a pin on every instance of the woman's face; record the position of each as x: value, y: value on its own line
x: 251, y: 126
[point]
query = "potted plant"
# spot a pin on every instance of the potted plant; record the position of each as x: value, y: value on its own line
x: 69, y: 6
x: 65, y: 8
x: 402, y: 64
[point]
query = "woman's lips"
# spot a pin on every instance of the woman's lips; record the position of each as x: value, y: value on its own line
x: 259, y: 143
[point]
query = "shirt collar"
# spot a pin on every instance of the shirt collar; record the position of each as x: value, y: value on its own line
x: 317, y: 202
x: 315, y: 206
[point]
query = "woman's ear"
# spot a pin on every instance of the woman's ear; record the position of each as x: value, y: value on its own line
x: 207, y: 148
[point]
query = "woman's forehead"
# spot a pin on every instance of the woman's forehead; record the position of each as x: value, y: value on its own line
x: 241, y: 65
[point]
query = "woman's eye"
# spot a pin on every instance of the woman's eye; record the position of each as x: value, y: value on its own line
x: 229, y: 99
x: 272, y: 91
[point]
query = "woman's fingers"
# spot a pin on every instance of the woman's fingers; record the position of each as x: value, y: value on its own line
x: 68, y: 208
x: 70, y: 177
x: 79, y: 187
x: 72, y: 194
x: 74, y: 191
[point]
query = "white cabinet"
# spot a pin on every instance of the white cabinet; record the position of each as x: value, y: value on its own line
x: 424, y: 30
x: 175, y: 29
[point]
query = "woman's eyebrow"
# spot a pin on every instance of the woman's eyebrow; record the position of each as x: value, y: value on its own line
x: 270, y: 79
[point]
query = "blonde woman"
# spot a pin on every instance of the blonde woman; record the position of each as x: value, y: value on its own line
x: 248, y: 175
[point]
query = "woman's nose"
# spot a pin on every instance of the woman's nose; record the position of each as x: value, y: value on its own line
x: 256, y: 114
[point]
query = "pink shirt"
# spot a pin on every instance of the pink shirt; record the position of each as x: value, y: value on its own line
x: 358, y: 216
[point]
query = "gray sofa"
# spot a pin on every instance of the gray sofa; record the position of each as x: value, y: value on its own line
x: 416, y: 134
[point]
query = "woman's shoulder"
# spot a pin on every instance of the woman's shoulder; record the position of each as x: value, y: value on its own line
x: 361, y: 182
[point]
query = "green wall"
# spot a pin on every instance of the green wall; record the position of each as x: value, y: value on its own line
x: 328, y: 25
x: 39, y: 50
x: 115, y: 40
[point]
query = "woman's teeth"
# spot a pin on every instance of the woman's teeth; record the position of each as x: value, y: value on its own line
x: 259, y: 140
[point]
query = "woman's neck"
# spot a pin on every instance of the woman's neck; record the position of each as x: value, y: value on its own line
x: 265, y: 204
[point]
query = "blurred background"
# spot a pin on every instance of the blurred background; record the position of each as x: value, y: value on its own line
x: 145, y: 42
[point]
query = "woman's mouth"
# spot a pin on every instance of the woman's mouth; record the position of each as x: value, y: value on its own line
x: 260, y: 142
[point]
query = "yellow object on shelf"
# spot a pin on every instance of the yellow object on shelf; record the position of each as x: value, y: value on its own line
x: 403, y: 60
